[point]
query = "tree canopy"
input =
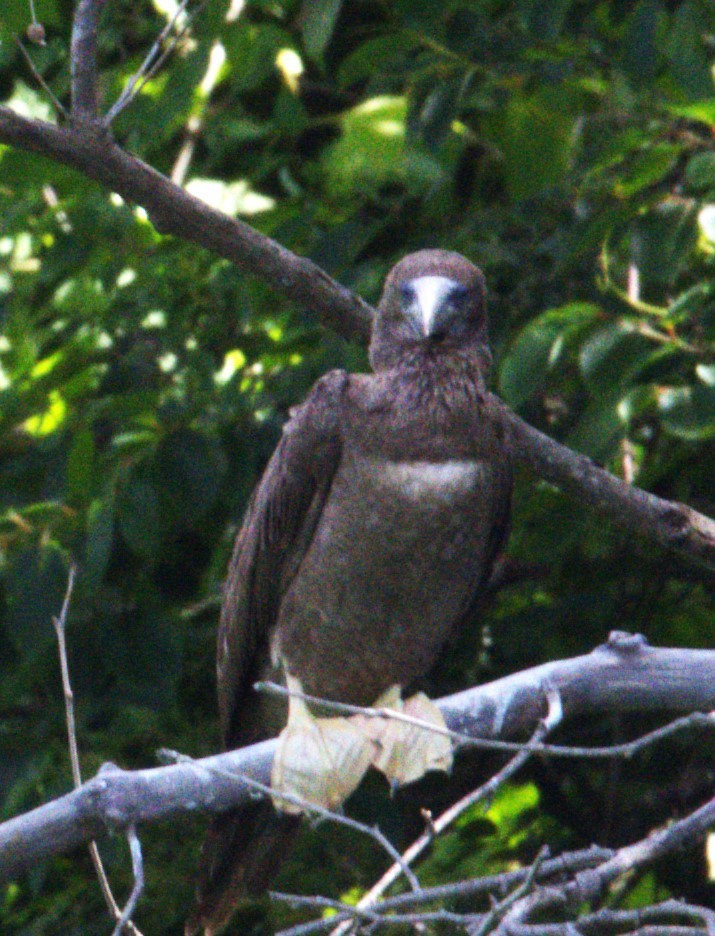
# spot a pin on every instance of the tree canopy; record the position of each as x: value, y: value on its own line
x: 565, y: 147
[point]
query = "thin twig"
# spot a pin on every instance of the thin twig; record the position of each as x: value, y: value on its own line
x: 593, y: 884
x: 85, y: 93
x: 525, y: 887
x: 305, y: 805
x: 489, y: 885
x: 124, y: 924
x: 60, y: 625
x: 626, y: 749
x: 153, y: 61
x: 484, y: 792
x: 56, y: 103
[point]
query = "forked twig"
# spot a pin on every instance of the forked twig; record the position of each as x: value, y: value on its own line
x: 124, y: 923
x: 60, y: 625
x: 154, y: 60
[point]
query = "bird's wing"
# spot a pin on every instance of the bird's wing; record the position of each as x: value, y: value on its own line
x: 276, y: 532
x: 501, y: 513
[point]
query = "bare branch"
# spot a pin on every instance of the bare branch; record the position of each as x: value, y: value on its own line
x: 673, y: 525
x: 592, y: 884
x: 152, y: 63
x: 85, y: 94
x: 495, y: 885
x: 124, y: 924
x: 310, y: 809
x: 625, y: 749
x: 60, y: 625
x: 623, y: 675
x: 41, y: 81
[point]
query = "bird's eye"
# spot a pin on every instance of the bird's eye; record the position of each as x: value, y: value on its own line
x: 407, y: 294
x: 458, y: 295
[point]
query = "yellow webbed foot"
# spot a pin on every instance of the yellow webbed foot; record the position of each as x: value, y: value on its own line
x: 319, y: 760
x: 406, y: 752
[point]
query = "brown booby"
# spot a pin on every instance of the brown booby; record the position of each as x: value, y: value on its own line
x: 365, y: 546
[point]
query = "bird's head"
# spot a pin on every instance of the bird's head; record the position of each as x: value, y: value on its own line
x: 434, y: 300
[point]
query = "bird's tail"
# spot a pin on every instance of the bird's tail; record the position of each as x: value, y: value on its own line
x: 241, y: 854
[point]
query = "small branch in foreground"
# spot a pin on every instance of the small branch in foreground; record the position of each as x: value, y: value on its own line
x: 485, y: 792
x: 41, y: 81
x: 592, y: 884
x: 152, y: 63
x: 696, y: 720
x: 308, y: 808
x: 124, y: 924
x: 494, y: 886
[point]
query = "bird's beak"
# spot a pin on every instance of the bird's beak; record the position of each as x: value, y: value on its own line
x: 431, y: 304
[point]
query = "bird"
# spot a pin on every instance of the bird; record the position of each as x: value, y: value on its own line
x: 367, y: 544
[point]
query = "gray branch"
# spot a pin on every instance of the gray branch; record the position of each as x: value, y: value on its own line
x: 624, y: 675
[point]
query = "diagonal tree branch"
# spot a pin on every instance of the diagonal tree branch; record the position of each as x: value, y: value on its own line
x: 623, y: 675
x: 673, y: 525
x: 174, y: 211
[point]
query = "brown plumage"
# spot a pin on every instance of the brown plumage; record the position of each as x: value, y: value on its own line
x: 366, y: 543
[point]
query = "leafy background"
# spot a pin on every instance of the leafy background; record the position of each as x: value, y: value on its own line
x: 568, y: 149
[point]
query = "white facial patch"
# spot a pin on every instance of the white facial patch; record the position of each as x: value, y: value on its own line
x: 431, y: 292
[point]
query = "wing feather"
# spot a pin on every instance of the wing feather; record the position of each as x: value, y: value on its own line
x: 277, y: 529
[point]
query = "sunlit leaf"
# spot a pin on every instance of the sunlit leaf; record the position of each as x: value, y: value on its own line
x: 688, y: 412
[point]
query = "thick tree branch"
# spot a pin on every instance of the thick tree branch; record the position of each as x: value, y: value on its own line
x: 173, y: 211
x: 623, y: 675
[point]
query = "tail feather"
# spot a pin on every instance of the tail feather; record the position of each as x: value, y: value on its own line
x: 241, y: 854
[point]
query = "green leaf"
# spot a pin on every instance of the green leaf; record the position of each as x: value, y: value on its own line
x: 640, y: 56
x: 535, y: 136
x: 438, y: 111
x: 544, y: 20
x: 138, y: 516
x: 538, y: 348
x: 35, y: 582
x: 99, y: 540
x: 700, y: 172
x: 688, y: 412
x: 663, y: 240
x: 646, y: 169
x: 371, y: 151
x: 253, y: 50
x: 614, y: 355
x: 392, y: 53
x: 80, y: 467
x: 188, y: 470
x: 686, y: 51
